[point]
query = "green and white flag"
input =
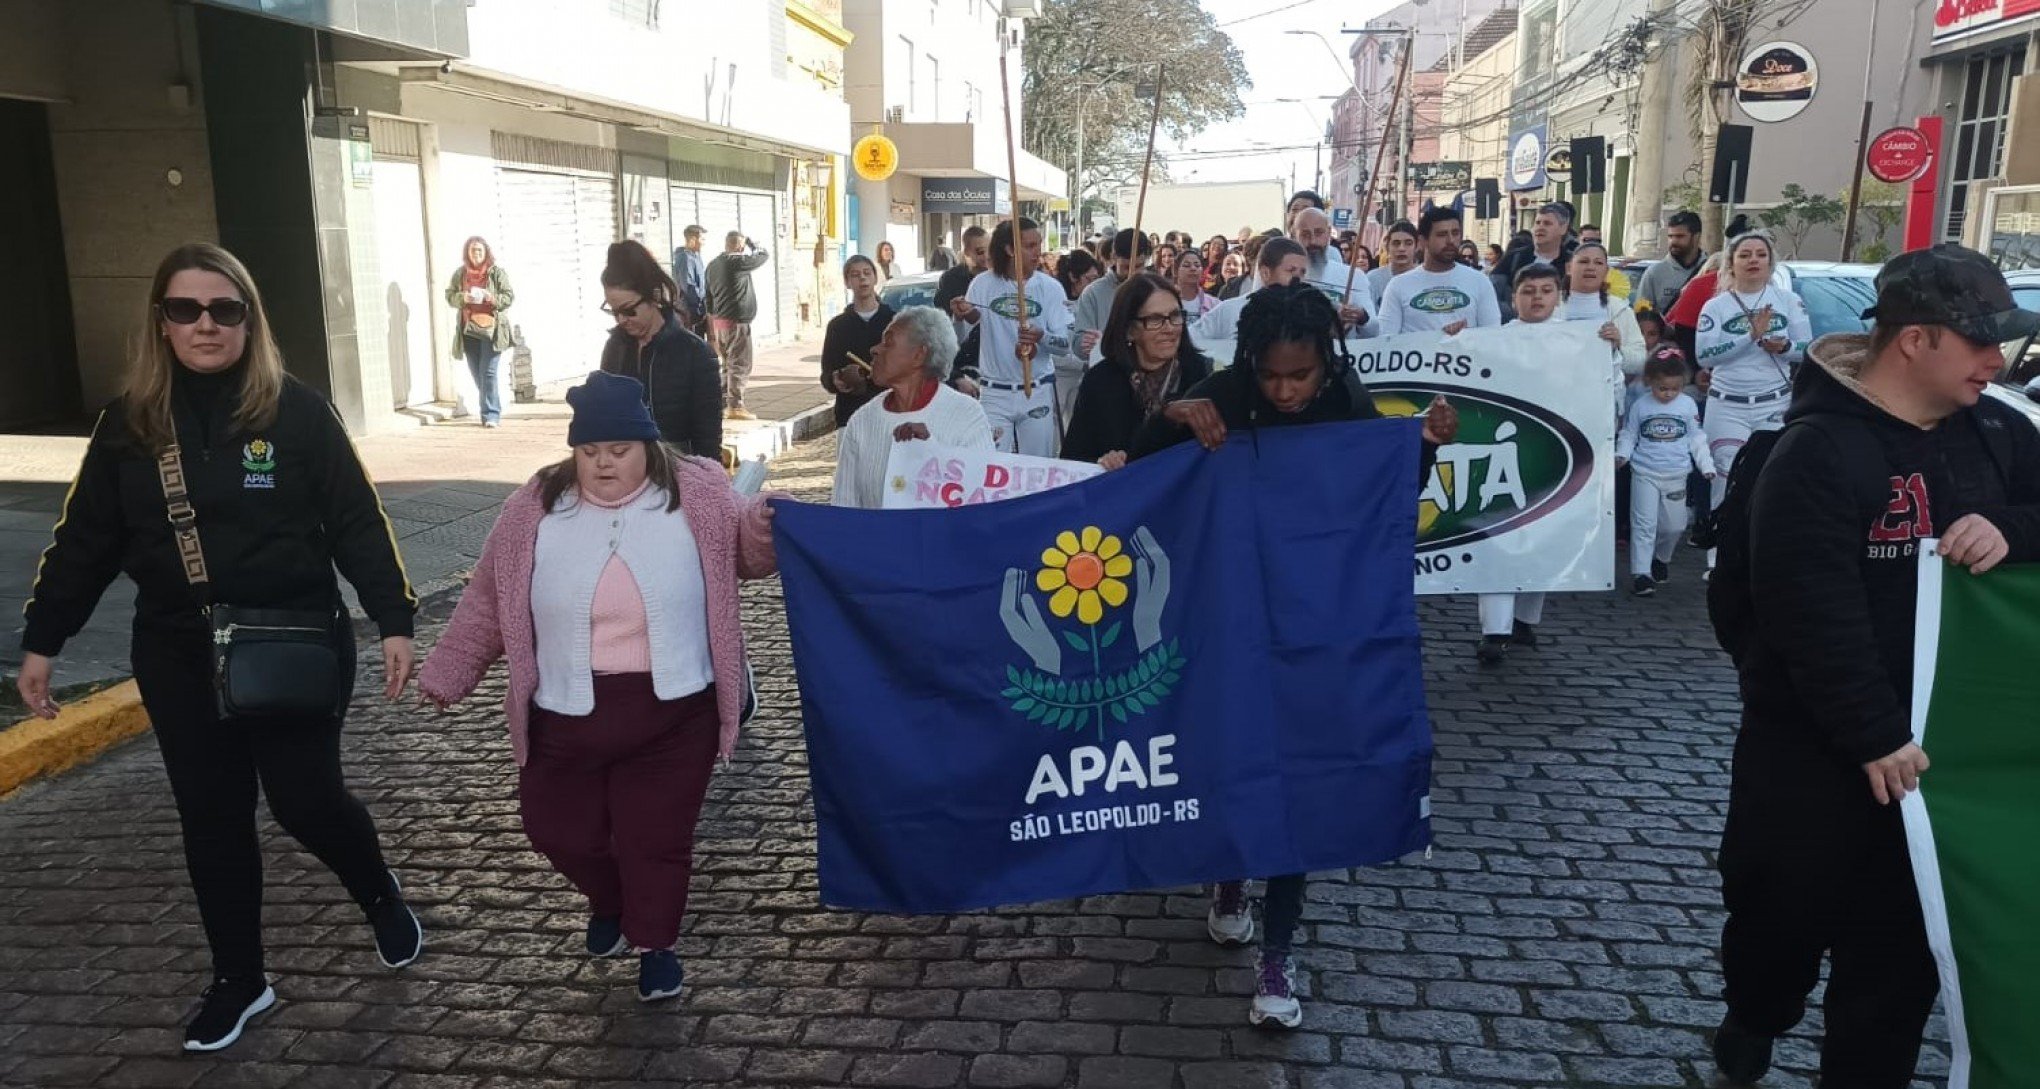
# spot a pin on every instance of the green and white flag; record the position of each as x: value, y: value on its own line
x: 1974, y: 825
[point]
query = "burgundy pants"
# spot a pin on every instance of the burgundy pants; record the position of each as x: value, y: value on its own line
x: 611, y: 798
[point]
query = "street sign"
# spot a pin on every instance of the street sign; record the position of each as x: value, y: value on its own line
x: 1526, y: 159
x: 1898, y: 155
x: 1342, y: 218
x: 1449, y: 176
x: 1776, y: 81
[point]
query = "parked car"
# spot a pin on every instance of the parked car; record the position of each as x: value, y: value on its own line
x: 915, y: 290
x: 2018, y: 385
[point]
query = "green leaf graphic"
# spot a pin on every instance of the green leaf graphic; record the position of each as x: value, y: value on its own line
x: 1110, y: 637
x: 1077, y: 642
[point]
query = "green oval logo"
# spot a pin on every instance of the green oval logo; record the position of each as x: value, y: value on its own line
x: 1006, y: 306
x: 1740, y: 324
x: 1513, y: 463
x: 1441, y: 300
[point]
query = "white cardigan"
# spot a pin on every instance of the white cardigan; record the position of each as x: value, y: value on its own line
x: 575, y: 542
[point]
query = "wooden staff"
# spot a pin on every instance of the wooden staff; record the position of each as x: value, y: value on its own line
x: 1147, y: 164
x: 1020, y: 349
x: 1395, y: 102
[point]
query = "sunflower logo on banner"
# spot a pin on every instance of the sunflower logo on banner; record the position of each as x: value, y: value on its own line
x: 1085, y: 576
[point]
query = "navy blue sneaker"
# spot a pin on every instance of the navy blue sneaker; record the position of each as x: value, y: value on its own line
x: 605, y: 937
x: 659, y: 975
x: 399, y: 936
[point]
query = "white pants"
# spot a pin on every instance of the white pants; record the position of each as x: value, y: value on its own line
x: 1657, y: 516
x: 1022, y: 424
x: 1499, y: 612
x: 1729, y: 426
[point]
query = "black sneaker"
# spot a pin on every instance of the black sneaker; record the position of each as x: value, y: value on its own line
x: 1493, y: 649
x: 399, y: 936
x: 1660, y: 572
x: 659, y: 975
x: 1525, y: 635
x: 605, y: 937
x: 1742, y: 1056
x: 1644, y: 586
x: 225, y: 1008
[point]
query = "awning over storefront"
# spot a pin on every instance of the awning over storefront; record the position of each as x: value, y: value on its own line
x: 418, y: 28
x: 965, y: 150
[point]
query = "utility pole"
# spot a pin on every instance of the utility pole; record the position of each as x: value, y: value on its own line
x: 1409, y: 123
x: 1862, y: 145
x: 1647, y: 179
x: 1725, y: 30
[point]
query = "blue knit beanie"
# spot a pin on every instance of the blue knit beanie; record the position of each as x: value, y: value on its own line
x: 610, y: 408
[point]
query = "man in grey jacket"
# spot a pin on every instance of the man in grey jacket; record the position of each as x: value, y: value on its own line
x: 1094, y: 306
x: 732, y: 304
x: 1664, y: 279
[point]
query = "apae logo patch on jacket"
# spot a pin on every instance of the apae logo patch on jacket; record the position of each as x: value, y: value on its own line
x: 258, y: 457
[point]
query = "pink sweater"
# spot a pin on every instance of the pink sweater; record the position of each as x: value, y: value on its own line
x: 493, y: 619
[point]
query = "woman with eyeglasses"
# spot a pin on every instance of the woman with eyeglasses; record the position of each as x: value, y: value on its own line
x: 277, y: 499
x: 682, y: 383
x: 1149, y: 361
x: 479, y: 293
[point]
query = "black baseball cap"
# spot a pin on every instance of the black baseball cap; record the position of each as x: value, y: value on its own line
x: 1954, y: 286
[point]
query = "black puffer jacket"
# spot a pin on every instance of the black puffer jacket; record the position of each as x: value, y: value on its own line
x: 277, y: 509
x: 683, y: 384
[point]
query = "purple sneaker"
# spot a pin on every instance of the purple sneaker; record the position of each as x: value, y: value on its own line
x: 1230, y: 921
x: 1275, y: 993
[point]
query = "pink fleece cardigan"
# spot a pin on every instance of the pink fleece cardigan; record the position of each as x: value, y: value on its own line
x: 493, y: 619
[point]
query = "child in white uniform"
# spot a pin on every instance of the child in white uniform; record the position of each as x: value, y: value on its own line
x: 1661, y: 442
x: 1507, y: 619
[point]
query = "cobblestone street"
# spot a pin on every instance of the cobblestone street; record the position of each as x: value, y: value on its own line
x: 1561, y: 934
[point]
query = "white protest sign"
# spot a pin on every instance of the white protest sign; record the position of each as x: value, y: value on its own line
x: 1524, y: 500
x: 923, y: 474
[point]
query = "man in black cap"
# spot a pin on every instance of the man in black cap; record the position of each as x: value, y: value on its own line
x: 1890, y: 441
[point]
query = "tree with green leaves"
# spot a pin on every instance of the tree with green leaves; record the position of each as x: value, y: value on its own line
x: 1086, y: 60
x: 1798, y: 212
x: 1882, y: 209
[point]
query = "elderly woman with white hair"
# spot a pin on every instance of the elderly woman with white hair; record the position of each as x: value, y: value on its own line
x: 911, y: 363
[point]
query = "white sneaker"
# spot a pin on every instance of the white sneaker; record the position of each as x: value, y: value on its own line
x: 1230, y: 921
x: 1275, y: 994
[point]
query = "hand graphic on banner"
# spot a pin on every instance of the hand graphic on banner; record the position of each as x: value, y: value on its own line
x: 1023, y: 621
x: 1151, y: 588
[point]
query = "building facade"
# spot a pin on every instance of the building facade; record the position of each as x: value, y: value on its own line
x: 926, y: 74
x: 346, y: 160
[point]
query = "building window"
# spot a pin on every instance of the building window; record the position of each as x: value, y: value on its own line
x: 644, y: 13
x: 913, y: 81
x: 1540, y: 43
x: 970, y: 103
x: 935, y: 89
x: 1980, y: 131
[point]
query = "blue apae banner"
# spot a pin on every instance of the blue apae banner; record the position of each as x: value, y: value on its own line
x: 1204, y: 666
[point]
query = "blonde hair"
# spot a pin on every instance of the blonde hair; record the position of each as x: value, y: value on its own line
x: 147, y: 397
x: 1725, y: 279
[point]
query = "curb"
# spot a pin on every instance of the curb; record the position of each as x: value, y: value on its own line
x: 38, y: 748
x: 770, y: 442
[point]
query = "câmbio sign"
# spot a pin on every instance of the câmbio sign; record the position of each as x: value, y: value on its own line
x: 1898, y: 155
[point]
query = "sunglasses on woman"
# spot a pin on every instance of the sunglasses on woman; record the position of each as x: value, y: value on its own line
x: 178, y: 310
x: 626, y: 311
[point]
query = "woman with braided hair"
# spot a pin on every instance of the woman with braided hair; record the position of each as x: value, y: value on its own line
x: 1288, y: 368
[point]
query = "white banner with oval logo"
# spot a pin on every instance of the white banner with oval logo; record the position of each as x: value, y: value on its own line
x: 1524, y: 500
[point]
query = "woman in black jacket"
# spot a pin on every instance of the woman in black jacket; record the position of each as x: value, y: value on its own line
x: 854, y: 332
x: 1149, y: 361
x: 683, y: 384
x: 278, y: 498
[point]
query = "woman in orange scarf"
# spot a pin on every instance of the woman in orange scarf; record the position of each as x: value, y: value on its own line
x: 479, y: 293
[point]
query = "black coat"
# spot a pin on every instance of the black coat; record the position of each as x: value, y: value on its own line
x: 1108, y: 414
x: 683, y: 384
x: 846, y: 333
x: 1240, y: 404
x: 277, y: 508
x: 1827, y: 680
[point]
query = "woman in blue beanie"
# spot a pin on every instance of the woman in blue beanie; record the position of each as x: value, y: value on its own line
x: 610, y: 584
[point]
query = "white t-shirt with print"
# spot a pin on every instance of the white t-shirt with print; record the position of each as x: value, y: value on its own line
x: 997, y: 300
x: 1424, y: 301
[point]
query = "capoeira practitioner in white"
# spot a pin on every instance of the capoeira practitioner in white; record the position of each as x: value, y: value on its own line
x: 1019, y: 395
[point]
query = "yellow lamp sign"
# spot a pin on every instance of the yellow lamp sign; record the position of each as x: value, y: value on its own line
x: 875, y: 158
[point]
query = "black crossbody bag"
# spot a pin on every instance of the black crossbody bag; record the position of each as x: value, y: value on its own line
x: 267, y: 663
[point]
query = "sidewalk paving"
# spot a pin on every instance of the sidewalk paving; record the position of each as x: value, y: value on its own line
x: 441, y: 483
x: 1562, y: 934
